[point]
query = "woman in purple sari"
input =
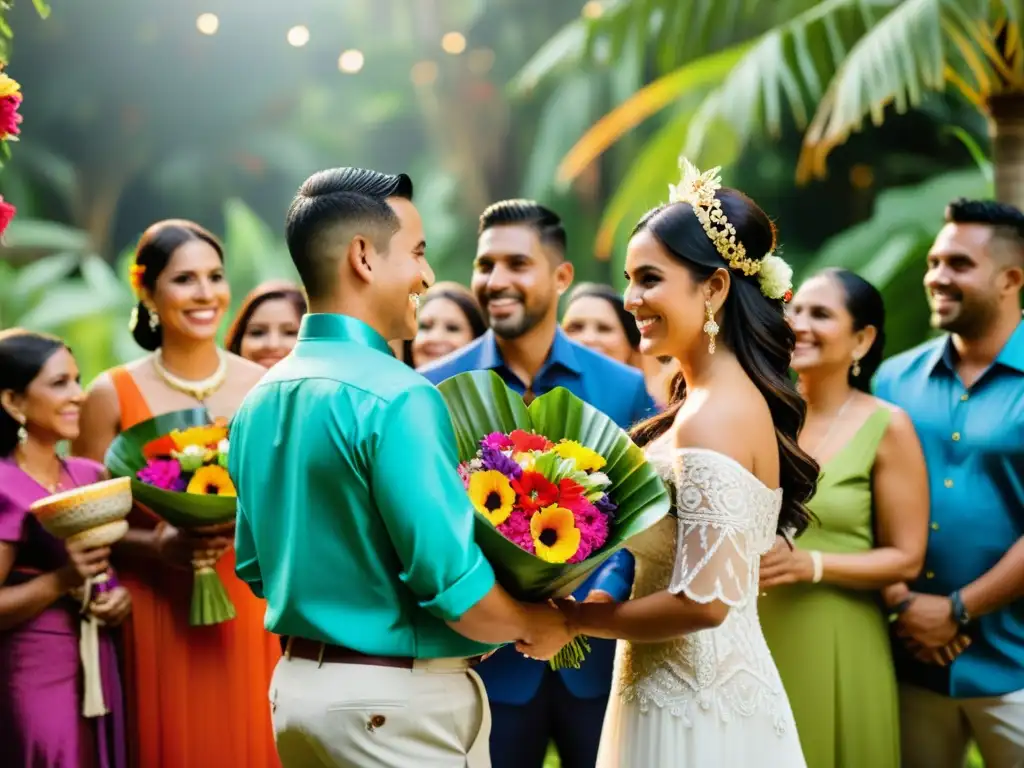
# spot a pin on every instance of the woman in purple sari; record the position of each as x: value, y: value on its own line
x: 41, y: 722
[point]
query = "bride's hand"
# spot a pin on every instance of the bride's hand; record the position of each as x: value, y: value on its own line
x: 598, y: 596
x: 784, y: 564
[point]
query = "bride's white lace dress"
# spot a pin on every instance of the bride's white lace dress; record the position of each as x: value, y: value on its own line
x: 711, y: 699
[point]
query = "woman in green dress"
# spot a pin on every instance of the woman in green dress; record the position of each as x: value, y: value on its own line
x: 821, y: 607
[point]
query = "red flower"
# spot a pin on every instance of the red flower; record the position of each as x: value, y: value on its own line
x: 533, y: 492
x: 527, y: 441
x: 9, y: 117
x: 7, y: 212
x: 571, y: 494
x: 787, y: 296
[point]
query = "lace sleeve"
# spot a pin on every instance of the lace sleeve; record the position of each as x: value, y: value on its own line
x: 714, y: 554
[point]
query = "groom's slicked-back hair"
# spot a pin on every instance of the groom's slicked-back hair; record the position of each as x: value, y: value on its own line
x: 330, y: 208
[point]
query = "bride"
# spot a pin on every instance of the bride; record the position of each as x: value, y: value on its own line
x: 697, y: 685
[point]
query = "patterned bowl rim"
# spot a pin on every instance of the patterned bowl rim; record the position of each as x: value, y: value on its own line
x: 60, y: 502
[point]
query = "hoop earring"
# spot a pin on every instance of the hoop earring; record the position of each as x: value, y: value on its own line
x: 855, y: 370
x: 710, y: 326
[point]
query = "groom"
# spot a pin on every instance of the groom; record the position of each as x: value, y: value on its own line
x: 352, y: 520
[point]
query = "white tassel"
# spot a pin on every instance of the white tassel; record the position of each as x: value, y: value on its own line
x: 93, y: 704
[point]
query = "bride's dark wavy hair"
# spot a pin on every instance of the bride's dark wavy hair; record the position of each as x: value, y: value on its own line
x: 753, y: 327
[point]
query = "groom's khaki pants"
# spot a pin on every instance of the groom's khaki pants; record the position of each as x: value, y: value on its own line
x: 434, y: 715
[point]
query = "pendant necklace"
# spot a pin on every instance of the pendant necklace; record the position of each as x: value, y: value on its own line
x: 831, y: 428
x: 198, y: 390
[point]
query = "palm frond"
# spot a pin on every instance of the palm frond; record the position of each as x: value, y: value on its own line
x: 919, y: 47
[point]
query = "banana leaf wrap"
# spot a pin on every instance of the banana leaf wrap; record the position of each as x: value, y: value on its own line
x: 187, y: 511
x: 480, y: 403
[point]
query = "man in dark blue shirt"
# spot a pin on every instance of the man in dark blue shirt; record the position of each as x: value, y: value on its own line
x: 518, y: 276
x: 964, y: 392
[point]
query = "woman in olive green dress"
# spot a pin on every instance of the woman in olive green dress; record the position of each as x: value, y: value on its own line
x: 821, y: 608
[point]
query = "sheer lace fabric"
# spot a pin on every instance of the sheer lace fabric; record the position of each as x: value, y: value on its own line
x: 725, y: 519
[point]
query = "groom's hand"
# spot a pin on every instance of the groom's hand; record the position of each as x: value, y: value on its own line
x: 548, y: 632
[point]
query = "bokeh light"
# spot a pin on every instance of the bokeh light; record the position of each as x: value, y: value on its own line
x: 298, y: 36
x: 424, y: 72
x: 453, y: 43
x: 208, y: 23
x: 351, y: 61
x: 592, y: 9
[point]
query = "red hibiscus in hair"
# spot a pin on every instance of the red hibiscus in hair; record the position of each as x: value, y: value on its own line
x: 523, y: 442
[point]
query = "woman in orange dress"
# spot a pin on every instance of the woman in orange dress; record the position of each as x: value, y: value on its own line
x: 197, y: 696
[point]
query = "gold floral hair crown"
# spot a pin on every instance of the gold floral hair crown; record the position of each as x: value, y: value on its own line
x: 698, y: 189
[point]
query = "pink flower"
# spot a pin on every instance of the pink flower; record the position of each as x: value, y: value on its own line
x: 163, y: 473
x: 464, y: 474
x: 7, y: 212
x: 497, y: 440
x: 9, y: 117
x: 517, y: 530
x: 594, y: 531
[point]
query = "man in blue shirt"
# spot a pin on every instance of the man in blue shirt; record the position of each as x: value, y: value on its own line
x: 519, y: 273
x: 965, y: 394
x: 352, y: 520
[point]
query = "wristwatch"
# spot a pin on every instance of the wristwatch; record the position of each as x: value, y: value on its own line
x: 960, y: 614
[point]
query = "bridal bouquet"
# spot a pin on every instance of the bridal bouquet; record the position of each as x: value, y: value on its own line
x: 177, y: 463
x: 558, y: 487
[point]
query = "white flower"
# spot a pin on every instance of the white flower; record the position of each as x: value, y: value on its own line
x: 775, y: 276
x: 223, y: 447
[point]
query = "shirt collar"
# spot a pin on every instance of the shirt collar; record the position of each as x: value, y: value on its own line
x: 1010, y: 356
x: 331, y: 327
x: 563, y: 353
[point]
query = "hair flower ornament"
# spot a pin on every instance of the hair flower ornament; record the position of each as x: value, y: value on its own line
x: 699, y: 189
x: 135, y: 274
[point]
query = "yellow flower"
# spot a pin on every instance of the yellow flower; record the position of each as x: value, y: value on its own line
x: 211, y: 481
x: 201, y: 436
x: 555, y: 535
x: 492, y: 495
x: 586, y: 459
x: 8, y: 86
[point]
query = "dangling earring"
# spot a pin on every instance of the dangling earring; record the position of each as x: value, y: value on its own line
x: 22, y: 433
x: 710, y: 327
x: 154, y: 318
x: 855, y: 370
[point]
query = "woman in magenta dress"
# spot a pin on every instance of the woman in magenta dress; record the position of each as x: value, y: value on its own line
x: 41, y: 722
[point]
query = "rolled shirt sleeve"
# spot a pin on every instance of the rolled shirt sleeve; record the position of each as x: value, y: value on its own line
x: 424, y: 505
x: 247, y: 567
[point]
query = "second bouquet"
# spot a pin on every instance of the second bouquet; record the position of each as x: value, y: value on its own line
x: 177, y: 463
x: 558, y: 487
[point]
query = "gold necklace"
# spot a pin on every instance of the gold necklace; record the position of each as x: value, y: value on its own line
x: 200, y: 390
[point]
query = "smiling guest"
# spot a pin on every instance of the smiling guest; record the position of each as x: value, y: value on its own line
x: 869, y: 532
x: 41, y: 722
x: 267, y: 324
x: 196, y: 695
x: 449, y: 318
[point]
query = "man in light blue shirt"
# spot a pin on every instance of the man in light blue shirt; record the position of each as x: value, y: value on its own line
x: 965, y: 394
x: 518, y: 275
x: 352, y: 520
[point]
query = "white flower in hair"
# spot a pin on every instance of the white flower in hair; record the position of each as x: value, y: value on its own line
x: 775, y: 276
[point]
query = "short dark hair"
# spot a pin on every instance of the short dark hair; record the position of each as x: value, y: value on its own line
x: 1006, y: 221
x: 354, y: 197
x: 529, y: 213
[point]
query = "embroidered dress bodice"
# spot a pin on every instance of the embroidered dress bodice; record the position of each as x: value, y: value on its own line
x: 709, y: 548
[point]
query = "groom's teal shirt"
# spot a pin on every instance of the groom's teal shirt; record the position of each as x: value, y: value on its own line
x: 352, y: 520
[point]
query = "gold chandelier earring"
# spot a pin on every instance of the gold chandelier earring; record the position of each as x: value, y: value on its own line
x: 710, y: 326
x: 855, y: 368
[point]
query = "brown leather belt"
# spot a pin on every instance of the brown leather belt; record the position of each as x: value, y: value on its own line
x: 311, y: 650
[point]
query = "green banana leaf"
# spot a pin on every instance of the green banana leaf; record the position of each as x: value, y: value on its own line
x: 481, y: 403
x: 182, y: 510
